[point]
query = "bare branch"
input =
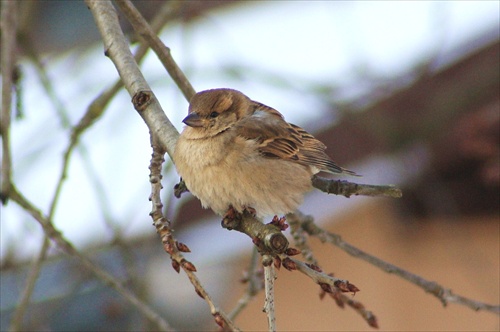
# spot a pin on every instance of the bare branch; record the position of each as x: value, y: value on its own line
x: 255, y: 285
x: 171, y: 246
x: 269, y: 278
x: 8, y: 24
x: 348, y: 189
x: 142, y: 27
x: 117, y: 49
x: 68, y: 248
x: 16, y: 324
x: 445, y: 295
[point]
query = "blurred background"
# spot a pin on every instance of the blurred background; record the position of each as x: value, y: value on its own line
x: 404, y: 93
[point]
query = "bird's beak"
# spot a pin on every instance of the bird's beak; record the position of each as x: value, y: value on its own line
x: 193, y: 120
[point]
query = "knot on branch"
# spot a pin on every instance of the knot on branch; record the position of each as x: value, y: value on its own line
x: 141, y: 100
x: 267, y: 237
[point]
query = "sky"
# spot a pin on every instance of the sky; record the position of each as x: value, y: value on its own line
x: 280, y: 44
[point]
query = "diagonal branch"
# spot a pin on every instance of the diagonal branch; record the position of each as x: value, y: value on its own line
x: 66, y: 246
x: 445, y: 295
x: 170, y: 244
x: 142, y: 27
x: 116, y: 47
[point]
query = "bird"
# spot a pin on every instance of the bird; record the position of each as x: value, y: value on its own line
x: 237, y: 155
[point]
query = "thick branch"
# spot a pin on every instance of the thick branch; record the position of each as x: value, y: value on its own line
x: 117, y: 49
x: 267, y: 237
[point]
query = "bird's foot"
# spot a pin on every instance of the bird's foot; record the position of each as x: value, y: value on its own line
x: 250, y: 210
x: 231, y: 218
x: 279, y: 222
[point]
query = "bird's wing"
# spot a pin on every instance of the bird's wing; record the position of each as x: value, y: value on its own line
x: 277, y: 138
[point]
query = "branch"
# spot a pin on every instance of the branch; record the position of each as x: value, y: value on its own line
x: 16, y: 324
x: 142, y: 27
x: 116, y: 47
x: 68, y: 248
x: 445, y: 295
x: 269, y: 278
x: 170, y: 244
x: 8, y: 24
x: 254, y: 279
x: 300, y: 239
x: 347, y: 189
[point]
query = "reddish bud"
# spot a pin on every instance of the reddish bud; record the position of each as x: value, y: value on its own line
x: 176, y: 266
x: 353, y: 289
x: 289, y: 264
x: 219, y: 320
x: 341, y: 285
x: 168, y: 247
x: 279, y: 222
x: 182, y: 247
x: 314, y: 267
x: 256, y: 241
x: 326, y: 287
x: 277, y: 262
x: 372, y: 321
x: 337, y: 297
x: 292, y: 251
x: 188, y: 265
x: 344, y: 286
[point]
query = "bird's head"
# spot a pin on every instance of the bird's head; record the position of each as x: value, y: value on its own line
x: 212, y: 112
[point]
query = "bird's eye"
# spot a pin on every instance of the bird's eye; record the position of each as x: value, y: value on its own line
x: 214, y: 114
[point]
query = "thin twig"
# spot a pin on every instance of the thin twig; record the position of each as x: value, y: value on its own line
x: 300, y: 240
x: 69, y: 249
x: 255, y: 285
x: 299, y: 237
x: 321, y: 278
x: 445, y: 295
x: 269, y: 278
x: 171, y: 245
x: 142, y: 27
x: 16, y: 324
x: 8, y: 24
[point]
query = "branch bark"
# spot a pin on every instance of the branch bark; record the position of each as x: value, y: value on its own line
x: 116, y: 47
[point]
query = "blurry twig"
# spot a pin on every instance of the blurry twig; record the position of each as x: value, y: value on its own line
x: 16, y: 324
x: 8, y: 25
x: 445, y: 295
x: 254, y: 280
x: 69, y: 249
x: 94, y: 111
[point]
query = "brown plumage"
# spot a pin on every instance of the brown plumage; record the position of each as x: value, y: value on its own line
x: 241, y: 153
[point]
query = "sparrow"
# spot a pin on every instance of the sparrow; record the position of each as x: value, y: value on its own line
x: 236, y: 154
